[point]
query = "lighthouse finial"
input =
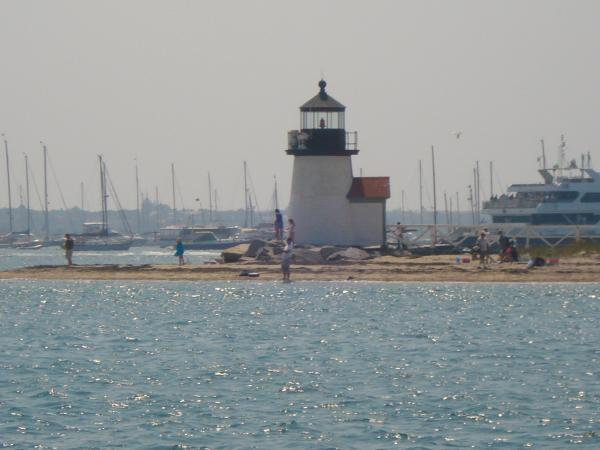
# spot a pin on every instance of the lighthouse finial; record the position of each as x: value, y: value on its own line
x: 322, y: 92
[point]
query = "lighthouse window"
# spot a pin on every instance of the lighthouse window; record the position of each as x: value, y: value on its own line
x: 591, y: 197
x: 322, y: 119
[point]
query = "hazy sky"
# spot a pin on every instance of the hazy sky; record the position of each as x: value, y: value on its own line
x: 208, y: 84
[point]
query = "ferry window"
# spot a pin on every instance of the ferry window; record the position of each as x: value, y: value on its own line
x: 560, y: 196
x: 591, y: 197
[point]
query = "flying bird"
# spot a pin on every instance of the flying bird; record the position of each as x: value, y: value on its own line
x: 458, y: 134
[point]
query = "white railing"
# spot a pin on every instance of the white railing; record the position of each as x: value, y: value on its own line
x: 550, y: 235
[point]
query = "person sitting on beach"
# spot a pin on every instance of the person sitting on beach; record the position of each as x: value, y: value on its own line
x: 69, y: 245
x: 179, y: 250
x: 507, y: 255
x: 512, y: 255
x: 286, y: 259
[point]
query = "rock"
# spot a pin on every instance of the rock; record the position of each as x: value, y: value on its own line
x: 276, y: 247
x: 306, y: 256
x: 240, y: 248
x: 234, y: 254
x: 264, y: 254
x: 254, y: 246
x: 230, y: 257
x: 352, y: 253
x: 328, y: 250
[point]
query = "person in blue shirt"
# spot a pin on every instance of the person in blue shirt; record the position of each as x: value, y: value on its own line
x: 179, y: 250
x: 278, y: 225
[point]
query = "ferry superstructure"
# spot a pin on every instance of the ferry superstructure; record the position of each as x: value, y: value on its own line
x: 568, y: 196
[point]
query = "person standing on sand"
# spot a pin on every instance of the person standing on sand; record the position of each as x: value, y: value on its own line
x: 291, y: 230
x: 503, y: 241
x: 399, y: 233
x: 179, y: 250
x: 483, y: 249
x: 68, y: 246
x: 286, y: 259
x: 278, y: 225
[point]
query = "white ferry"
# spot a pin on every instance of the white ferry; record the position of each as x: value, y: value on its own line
x: 567, y: 196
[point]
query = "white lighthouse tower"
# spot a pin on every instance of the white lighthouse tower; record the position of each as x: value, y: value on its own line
x: 328, y: 204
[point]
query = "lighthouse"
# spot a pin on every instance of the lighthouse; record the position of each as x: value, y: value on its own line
x: 328, y: 204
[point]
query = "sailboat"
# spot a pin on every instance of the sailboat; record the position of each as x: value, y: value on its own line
x: 7, y: 239
x: 16, y: 239
x: 97, y: 236
x: 26, y: 240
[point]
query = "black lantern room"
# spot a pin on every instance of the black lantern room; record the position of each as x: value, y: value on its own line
x: 322, y: 128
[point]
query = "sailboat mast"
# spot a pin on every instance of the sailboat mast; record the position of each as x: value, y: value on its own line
x: 46, y: 221
x: 245, y: 198
x: 173, y: 188
x: 137, y: 198
x: 446, y: 208
x: 10, y: 214
x: 402, y: 212
x: 543, y: 154
x: 104, y: 230
x: 491, y: 179
x: 472, y: 204
x: 477, y: 194
x: 474, y: 196
x: 210, y: 200
x: 27, y: 193
x: 457, y: 210
x: 434, y: 197
x: 157, y: 210
x: 216, y: 206
x: 420, y: 192
x: 275, y: 193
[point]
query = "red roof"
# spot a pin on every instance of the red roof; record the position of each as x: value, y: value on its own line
x: 370, y: 188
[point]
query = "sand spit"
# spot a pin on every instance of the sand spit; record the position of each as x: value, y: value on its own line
x: 384, y: 268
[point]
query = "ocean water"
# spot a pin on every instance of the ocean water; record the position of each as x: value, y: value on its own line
x: 12, y: 258
x: 253, y: 365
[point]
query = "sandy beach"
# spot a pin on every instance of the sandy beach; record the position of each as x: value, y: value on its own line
x: 385, y: 268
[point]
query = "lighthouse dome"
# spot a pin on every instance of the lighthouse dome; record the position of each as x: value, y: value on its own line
x: 322, y: 101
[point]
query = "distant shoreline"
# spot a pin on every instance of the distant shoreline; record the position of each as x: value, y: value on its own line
x: 382, y: 269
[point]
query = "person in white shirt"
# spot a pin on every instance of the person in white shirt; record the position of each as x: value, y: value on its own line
x: 291, y: 230
x: 484, y: 247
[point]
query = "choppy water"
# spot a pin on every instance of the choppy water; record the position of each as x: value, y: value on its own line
x: 307, y: 365
x: 13, y: 258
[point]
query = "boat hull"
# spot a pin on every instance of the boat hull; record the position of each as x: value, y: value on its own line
x: 218, y: 245
x: 101, y: 246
